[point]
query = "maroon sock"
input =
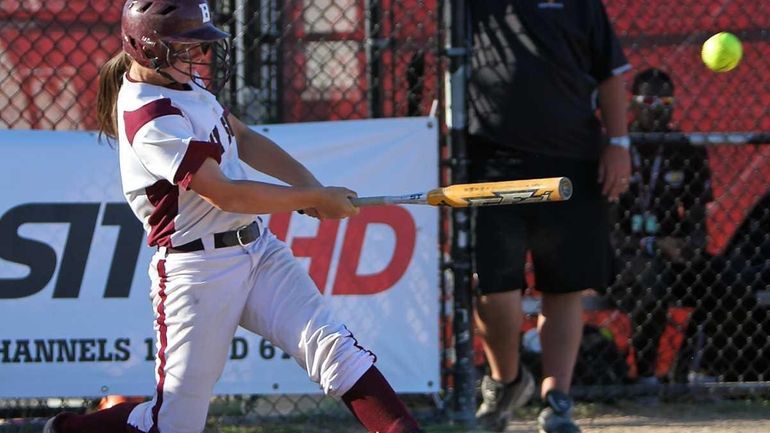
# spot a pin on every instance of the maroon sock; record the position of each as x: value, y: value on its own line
x: 376, y: 406
x: 112, y: 420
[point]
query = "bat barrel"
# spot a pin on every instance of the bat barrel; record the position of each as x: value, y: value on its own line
x: 565, y: 188
x: 522, y: 191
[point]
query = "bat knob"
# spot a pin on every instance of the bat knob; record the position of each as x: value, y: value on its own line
x: 565, y: 188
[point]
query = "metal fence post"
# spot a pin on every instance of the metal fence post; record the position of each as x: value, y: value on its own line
x: 464, y: 397
x: 374, y: 47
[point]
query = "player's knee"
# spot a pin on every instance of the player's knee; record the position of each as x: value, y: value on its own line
x: 335, y: 359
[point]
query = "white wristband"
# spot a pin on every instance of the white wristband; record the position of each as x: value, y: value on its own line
x: 623, y: 141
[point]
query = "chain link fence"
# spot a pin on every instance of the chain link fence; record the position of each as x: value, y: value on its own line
x: 689, y: 307
x: 691, y: 235
x: 294, y: 61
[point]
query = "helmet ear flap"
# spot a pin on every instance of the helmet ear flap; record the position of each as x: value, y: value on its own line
x: 157, y: 53
x: 155, y: 63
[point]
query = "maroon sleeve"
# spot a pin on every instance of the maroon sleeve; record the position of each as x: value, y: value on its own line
x: 196, y: 154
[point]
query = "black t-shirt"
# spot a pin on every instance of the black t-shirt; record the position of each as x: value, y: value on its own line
x: 535, y: 68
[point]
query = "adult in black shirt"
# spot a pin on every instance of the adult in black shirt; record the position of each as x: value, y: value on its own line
x: 660, y: 234
x: 540, y: 70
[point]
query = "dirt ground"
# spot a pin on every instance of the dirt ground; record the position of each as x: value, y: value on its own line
x: 729, y: 416
x: 711, y: 416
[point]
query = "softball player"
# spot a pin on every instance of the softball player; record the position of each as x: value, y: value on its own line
x: 217, y: 267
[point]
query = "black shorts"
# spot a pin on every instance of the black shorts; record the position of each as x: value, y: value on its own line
x: 569, y: 241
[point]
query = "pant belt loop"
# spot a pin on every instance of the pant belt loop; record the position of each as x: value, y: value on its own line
x: 208, y: 242
x: 163, y: 251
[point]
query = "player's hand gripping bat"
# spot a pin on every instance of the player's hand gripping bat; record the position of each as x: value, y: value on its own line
x: 482, y: 194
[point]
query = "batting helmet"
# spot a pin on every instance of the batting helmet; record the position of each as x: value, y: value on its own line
x: 153, y: 28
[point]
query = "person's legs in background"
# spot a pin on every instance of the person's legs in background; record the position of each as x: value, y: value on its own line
x: 498, y: 317
x: 648, y: 320
x: 509, y: 384
x: 570, y: 245
x: 634, y: 292
x: 560, y: 325
x: 649, y: 315
x: 500, y: 254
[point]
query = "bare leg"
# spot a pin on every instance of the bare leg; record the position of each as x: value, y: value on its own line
x: 561, y: 329
x: 499, y: 317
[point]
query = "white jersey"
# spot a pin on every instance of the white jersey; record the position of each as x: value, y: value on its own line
x: 164, y: 136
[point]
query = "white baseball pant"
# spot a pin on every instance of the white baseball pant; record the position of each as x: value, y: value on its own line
x: 199, y: 300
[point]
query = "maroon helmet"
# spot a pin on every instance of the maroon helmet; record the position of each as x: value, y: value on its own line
x: 150, y: 27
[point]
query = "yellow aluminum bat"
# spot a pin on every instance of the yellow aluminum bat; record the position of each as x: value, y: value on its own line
x: 482, y: 194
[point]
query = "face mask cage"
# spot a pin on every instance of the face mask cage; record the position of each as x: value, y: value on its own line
x: 208, y: 64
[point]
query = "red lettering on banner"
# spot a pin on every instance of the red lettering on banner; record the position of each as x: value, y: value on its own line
x: 350, y: 283
x: 279, y: 225
x: 319, y: 249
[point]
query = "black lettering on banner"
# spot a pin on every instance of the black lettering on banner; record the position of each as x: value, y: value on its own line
x: 122, y: 346
x: 66, y: 350
x: 5, y: 346
x: 86, y: 344
x: 103, y: 354
x: 239, y: 348
x: 266, y: 349
x: 82, y: 219
x: 60, y: 350
x: 129, y: 243
x: 149, y: 343
x: 22, y: 351
x: 41, y: 258
x: 44, y: 349
x: 38, y: 256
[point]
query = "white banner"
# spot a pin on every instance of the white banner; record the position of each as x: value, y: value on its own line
x: 75, y: 315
